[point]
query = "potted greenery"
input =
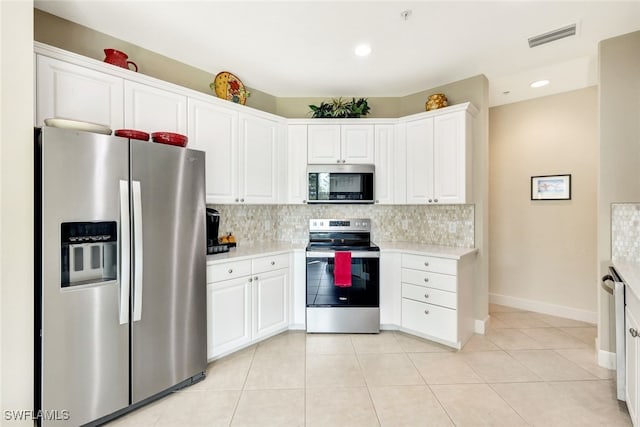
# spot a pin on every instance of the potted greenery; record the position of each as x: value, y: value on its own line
x: 340, y: 108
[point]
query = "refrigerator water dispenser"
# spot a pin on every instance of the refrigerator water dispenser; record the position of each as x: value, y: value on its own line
x: 89, y: 252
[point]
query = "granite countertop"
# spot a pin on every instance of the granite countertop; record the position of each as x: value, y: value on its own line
x: 426, y: 249
x: 630, y: 272
x: 248, y: 250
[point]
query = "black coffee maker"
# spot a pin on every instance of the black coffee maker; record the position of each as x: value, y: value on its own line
x: 213, y: 225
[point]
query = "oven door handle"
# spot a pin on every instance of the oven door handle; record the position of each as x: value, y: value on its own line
x: 332, y: 254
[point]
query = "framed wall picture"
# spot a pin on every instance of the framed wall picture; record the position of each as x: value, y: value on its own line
x: 551, y: 187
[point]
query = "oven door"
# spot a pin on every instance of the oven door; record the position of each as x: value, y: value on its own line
x: 365, y: 282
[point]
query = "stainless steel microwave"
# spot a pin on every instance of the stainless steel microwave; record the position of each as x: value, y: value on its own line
x: 340, y: 183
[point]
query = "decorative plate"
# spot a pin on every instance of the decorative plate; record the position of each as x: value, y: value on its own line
x: 229, y: 87
x: 170, y: 138
x: 77, y: 125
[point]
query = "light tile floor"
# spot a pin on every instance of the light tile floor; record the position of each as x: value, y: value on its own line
x: 529, y: 369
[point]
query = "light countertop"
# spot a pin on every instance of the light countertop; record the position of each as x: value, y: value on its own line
x: 425, y: 249
x: 630, y: 272
x: 268, y: 248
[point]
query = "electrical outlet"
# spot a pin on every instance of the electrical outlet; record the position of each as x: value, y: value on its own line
x: 452, y: 227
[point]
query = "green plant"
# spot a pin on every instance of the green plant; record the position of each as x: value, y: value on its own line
x: 341, y: 108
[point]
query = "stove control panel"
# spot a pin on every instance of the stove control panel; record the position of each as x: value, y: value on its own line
x: 358, y: 224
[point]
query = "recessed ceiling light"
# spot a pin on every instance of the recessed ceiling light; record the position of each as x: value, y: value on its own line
x: 363, y: 50
x: 540, y: 83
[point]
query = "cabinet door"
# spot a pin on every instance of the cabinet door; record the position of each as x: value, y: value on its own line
x: 271, y: 302
x: 384, y: 161
x: 390, y: 295
x: 228, y: 315
x: 151, y: 109
x: 357, y: 144
x: 450, y: 158
x: 297, y: 164
x: 72, y: 92
x: 258, y: 171
x: 419, y: 137
x: 632, y: 364
x: 323, y: 144
x: 214, y: 130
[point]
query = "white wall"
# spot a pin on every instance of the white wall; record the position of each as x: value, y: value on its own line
x: 543, y: 253
x: 16, y: 207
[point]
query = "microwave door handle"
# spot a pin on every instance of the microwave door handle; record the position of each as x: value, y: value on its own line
x: 125, y: 253
x: 137, y: 251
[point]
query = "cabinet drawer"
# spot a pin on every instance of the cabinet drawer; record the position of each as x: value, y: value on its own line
x: 429, y: 295
x: 428, y: 263
x: 433, y: 280
x: 228, y: 270
x: 269, y: 263
x: 429, y: 319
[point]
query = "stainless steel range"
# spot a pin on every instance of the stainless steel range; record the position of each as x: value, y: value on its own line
x: 343, y: 277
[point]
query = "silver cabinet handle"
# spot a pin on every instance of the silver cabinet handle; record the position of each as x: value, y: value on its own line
x: 230, y: 270
x: 344, y: 161
x: 338, y: 161
x: 426, y: 296
x: 426, y: 264
x: 241, y: 200
x: 435, y: 200
x: 430, y: 200
x: 633, y: 332
x: 426, y: 312
x: 377, y: 201
x: 250, y: 280
x: 273, y: 263
x: 304, y: 201
x: 237, y: 200
x: 255, y: 278
x: 426, y: 279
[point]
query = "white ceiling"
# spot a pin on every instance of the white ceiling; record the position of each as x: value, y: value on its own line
x: 305, y: 48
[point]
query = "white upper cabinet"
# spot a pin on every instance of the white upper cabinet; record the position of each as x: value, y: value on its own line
x: 385, y: 157
x: 214, y: 130
x: 296, y: 182
x: 357, y: 144
x: 258, y: 170
x: 152, y: 109
x: 334, y: 143
x: 438, y: 158
x: 419, y: 137
x: 452, y: 158
x: 74, y: 92
x: 323, y: 144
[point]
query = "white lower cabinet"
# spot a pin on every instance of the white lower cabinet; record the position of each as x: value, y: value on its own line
x: 632, y: 344
x: 247, y: 301
x: 437, y: 298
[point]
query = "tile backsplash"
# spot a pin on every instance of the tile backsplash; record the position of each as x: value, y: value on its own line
x: 446, y: 225
x: 625, y: 231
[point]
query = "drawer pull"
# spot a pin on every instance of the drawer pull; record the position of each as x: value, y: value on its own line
x: 250, y: 280
x: 230, y: 270
x: 633, y: 332
x: 255, y: 278
x: 426, y: 279
x: 426, y: 312
x: 426, y: 264
x: 273, y: 263
x: 426, y: 295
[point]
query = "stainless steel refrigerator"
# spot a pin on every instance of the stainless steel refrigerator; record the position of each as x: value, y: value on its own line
x: 120, y: 273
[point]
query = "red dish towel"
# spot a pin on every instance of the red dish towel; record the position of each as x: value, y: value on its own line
x: 342, y: 270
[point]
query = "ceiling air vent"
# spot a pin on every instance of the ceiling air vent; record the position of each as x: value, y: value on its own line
x: 560, y: 33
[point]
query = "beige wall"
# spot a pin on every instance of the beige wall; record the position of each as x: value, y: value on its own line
x: 619, y: 95
x: 16, y: 208
x: 70, y: 36
x: 544, y: 251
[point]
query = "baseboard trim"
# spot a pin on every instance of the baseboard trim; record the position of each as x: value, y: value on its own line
x: 606, y: 359
x: 481, y: 326
x: 545, y: 308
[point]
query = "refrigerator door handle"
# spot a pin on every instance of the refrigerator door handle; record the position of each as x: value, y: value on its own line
x: 137, y: 249
x: 125, y: 253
